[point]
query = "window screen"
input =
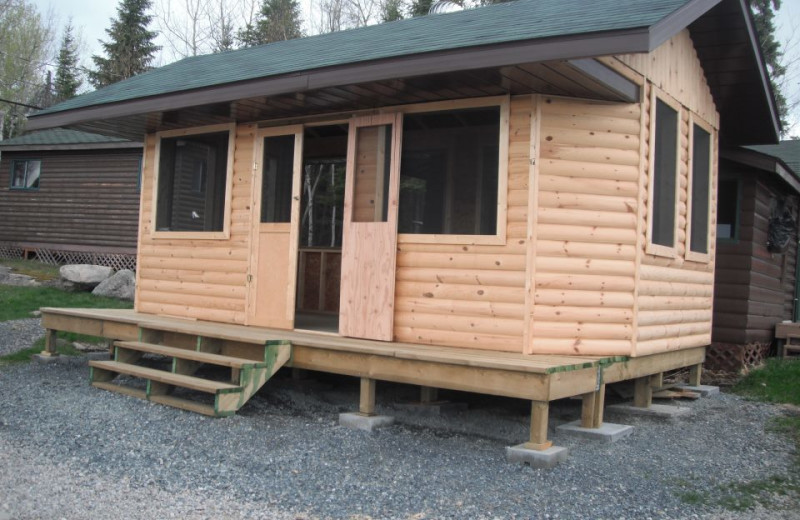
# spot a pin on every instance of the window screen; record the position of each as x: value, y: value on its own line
x: 449, y: 172
x: 664, y: 175
x: 276, y: 181
x: 192, y: 174
x: 701, y: 182
x: 25, y: 174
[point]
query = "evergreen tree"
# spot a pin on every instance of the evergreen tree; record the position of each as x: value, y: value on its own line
x: 392, y: 10
x: 130, y: 49
x: 68, y: 79
x: 420, y: 7
x: 276, y: 21
x: 763, y: 19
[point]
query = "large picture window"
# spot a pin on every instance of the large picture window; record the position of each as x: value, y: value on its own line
x: 664, y: 175
x: 25, y: 174
x: 449, y: 172
x: 192, y: 181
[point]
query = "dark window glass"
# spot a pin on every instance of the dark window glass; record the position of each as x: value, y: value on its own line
x: 665, y: 173
x: 449, y: 172
x: 276, y: 181
x: 25, y: 174
x: 701, y: 182
x: 192, y: 175
x: 727, y: 209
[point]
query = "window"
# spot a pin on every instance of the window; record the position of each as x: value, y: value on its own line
x: 700, y: 191
x: 276, y: 181
x: 728, y: 209
x: 192, y: 182
x: 664, y: 173
x: 449, y: 172
x: 25, y: 174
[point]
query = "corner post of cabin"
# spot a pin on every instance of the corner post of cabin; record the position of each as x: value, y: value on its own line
x: 366, y: 405
x: 50, y: 343
x: 695, y: 374
x: 643, y: 392
x: 539, y: 418
x: 592, y: 408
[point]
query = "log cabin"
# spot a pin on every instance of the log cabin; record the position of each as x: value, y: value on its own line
x: 515, y: 200
x: 755, y: 288
x: 70, y: 197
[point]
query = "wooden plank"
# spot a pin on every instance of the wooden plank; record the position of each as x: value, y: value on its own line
x: 193, y: 383
x: 120, y: 389
x: 366, y: 405
x: 192, y: 355
x: 184, y: 404
x: 539, y: 419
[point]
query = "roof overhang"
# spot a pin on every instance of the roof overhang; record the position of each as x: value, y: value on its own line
x: 68, y: 147
x: 763, y: 162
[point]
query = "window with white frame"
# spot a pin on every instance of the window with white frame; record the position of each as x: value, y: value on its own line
x: 25, y: 174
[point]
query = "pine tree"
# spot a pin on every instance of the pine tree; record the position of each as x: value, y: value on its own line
x: 763, y: 19
x: 420, y: 7
x: 392, y: 10
x: 130, y: 49
x: 276, y: 21
x: 68, y: 78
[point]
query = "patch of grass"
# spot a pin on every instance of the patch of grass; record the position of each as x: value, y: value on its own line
x: 19, y: 302
x: 24, y: 355
x: 40, y: 271
x: 775, y: 382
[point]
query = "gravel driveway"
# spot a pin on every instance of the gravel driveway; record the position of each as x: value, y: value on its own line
x: 70, y: 451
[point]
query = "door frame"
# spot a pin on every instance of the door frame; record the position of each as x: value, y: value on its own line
x: 256, y: 227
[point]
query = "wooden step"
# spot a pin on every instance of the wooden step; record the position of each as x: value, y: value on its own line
x: 192, y: 355
x: 120, y: 389
x: 185, y: 404
x: 192, y: 383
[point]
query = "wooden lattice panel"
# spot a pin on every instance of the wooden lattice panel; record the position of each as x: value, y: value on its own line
x: 13, y: 253
x: 732, y: 357
x: 113, y: 260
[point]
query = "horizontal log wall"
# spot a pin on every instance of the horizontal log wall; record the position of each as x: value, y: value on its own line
x: 85, y: 198
x: 471, y: 295
x: 584, y: 275
x: 202, y: 279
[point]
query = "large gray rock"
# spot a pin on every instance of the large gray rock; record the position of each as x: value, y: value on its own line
x: 122, y: 285
x: 19, y: 280
x: 85, y: 274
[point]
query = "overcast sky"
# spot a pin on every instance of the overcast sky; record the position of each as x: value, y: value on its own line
x: 92, y: 17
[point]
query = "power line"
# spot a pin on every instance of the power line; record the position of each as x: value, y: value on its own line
x: 20, y: 104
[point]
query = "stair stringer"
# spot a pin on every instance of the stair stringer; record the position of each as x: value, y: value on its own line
x: 252, y: 377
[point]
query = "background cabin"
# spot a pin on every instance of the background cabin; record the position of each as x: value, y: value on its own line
x: 755, y: 285
x: 70, y: 197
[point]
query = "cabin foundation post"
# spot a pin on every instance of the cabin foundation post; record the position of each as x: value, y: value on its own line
x: 365, y: 419
x: 428, y: 395
x: 539, y: 418
x: 366, y: 405
x: 642, y: 392
x: 50, y: 343
x: 695, y: 373
x: 592, y: 408
x: 538, y: 451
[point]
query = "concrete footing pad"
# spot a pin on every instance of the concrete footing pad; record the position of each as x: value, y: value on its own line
x: 608, y: 432
x: 537, y: 458
x: 436, y: 408
x: 703, y: 390
x: 356, y: 421
x: 663, y: 411
x: 44, y: 359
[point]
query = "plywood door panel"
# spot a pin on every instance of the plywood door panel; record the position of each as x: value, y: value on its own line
x: 369, y: 241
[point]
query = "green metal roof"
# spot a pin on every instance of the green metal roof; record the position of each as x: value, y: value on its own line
x: 496, y: 24
x: 786, y: 151
x: 60, y: 136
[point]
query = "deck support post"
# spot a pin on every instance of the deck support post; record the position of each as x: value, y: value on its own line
x: 642, y: 392
x: 428, y: 394
x: 592, y: 409
x: 50, y: 343
x: 539, y: 417
x: 695, y: 373
x: 366, y: 405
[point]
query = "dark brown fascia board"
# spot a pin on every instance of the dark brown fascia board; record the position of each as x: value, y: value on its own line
x: 52, y: 147
x: 679, y: 20
x: 762, y: 70
x: 562, y: 48
x: 763, y: 162
x: 626, y: 89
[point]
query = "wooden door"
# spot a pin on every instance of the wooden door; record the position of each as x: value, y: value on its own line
x: 276, y: 216
x: 369, y: 233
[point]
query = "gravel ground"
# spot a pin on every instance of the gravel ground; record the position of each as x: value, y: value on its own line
x: 71, y: 451
x: 19, y: 334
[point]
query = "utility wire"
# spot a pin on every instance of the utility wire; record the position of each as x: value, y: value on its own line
x: 20, y: 104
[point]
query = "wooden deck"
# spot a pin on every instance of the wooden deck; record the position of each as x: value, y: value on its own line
x: 539, y: 378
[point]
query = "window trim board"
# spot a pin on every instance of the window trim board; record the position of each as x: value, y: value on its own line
x: 689, y: 255
x: 11, y: 186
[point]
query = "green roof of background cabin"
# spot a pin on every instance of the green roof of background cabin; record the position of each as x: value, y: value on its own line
x: 787, y: 151
x: 60, y: 136
x: 496, y: 24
